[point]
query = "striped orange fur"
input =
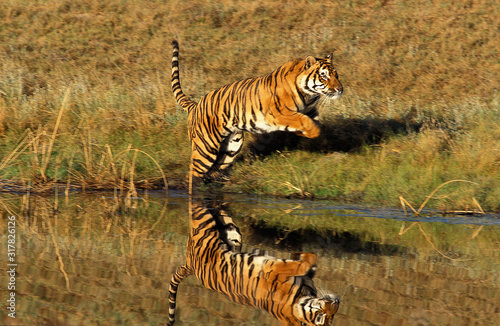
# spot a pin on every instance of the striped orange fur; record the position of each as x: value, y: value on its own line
x: 282, y: 287
x: 286, y: 99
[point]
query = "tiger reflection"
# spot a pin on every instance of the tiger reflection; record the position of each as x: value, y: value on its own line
x: 282, y: 287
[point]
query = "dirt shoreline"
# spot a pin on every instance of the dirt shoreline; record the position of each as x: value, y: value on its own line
x: 50, y: 187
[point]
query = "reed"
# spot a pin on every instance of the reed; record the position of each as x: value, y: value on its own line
x: 405, y: 203
x: 46, y: 158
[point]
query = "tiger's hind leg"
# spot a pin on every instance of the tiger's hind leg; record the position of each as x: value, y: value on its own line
x: 229, y: 149
x: 210, y: 159
x: 200, y: 167
x: 179, y: 275
x: 229, y: 232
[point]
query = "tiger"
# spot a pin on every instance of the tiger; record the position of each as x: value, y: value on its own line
x: 284, y: 100
x: 282, y: 287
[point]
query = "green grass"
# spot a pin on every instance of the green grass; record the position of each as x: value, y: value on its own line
x: 409, y: 164
x: 84, y: 91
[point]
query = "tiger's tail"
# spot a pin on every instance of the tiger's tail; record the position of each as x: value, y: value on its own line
x: 179, y: 275
x: 181, y: 98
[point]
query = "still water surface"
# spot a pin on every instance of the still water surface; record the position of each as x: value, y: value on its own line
x: 102, y: 259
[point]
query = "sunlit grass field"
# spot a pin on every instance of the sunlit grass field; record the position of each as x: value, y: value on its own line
x: 85, y: 96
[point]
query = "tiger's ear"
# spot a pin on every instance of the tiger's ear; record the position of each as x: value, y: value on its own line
x: 310, y: 60
x: 329, y: 57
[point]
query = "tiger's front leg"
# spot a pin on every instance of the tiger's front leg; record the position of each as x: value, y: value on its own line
x: 281, y: 270
x: 299, y: 123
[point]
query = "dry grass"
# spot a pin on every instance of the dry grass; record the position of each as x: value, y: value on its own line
x: 419, y: 53
x: 420, y: 79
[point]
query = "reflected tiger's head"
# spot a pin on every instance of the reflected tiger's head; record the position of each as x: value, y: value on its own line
x: 317, y: 311
x: 320, y: 78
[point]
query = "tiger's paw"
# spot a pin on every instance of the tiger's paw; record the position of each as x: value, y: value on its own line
x: 309, y: 258
x: 313, y: 132
x: 308, y: 263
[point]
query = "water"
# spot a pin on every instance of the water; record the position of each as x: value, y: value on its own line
x: 99, y: 259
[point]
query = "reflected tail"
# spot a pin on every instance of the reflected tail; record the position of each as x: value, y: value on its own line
x: 177, y: 278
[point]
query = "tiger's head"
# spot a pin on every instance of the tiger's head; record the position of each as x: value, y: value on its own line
x: 320, y: 78
x: 317, y: 311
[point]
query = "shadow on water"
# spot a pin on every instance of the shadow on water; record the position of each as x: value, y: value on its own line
x: 102, y: 259
x: 337, y: 242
